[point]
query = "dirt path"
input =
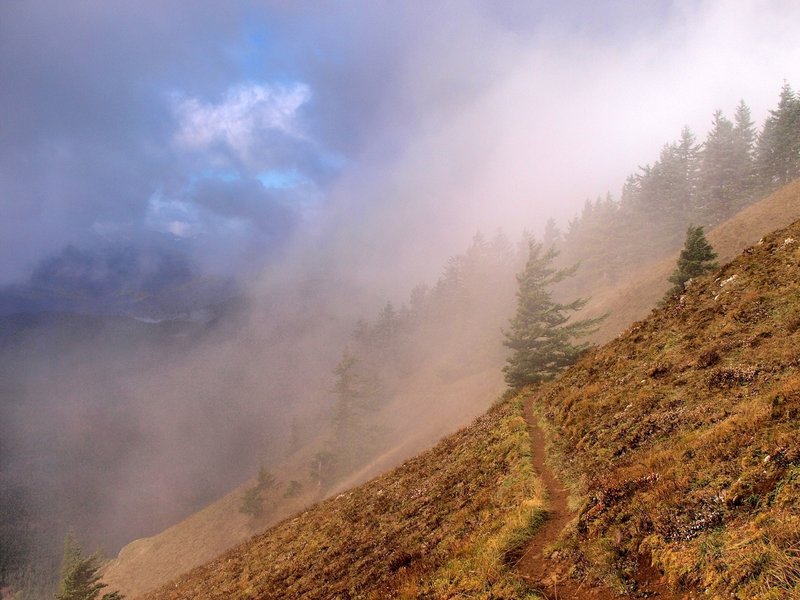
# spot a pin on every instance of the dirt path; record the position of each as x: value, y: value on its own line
x: 544, y: 574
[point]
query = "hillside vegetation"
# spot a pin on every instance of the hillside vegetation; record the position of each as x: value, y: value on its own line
x: 148, y: 563
x: 632, y: 299
x: 448, y: 523
x: 682, y: 437
x: 680, y: 440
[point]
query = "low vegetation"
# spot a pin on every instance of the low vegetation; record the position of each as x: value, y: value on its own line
x: 684, y: 434
x: 428, y: 529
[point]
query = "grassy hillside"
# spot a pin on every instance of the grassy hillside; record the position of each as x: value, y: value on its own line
x: 632, y: 300
x: 430, y: 528
x: 681, y: 441
x: 682, y: 436
x: 151, y: 562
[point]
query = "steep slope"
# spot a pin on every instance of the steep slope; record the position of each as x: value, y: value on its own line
x: 681, y: 440
x: 147, y: 563
x: 427, y: 529
x: 632, y: 300
x: 152, y: 561
x: 682, y: 437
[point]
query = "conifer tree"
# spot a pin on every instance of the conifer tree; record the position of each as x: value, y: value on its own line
x: 779, y: 143
x: 744, y: 155
x: 357, y: 394
x: 696, y: 258
x: 79, y: 577
x: 541, y: 335
x: 718, y: 194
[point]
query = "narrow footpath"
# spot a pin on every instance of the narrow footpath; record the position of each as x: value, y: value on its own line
x: 543, y: 573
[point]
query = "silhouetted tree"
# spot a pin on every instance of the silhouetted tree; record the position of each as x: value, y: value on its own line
x: 293, y: 489
x: 356, y: 395
x: 541, y: 335
x: 696, y: 258
x: 744, y: 133
x: 252, y: 502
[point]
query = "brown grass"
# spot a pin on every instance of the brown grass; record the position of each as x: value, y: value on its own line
x: 633, y: 299
x: 685, y: 432
x: 442, y: 525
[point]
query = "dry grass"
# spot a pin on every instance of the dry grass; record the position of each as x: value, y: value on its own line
x: 633, y: 300
x: 685, y: 433
x: 445, y: 524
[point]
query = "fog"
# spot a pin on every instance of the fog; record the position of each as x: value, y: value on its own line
x: 269, y: 173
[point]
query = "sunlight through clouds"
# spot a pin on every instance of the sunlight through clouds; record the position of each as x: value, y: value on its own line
x: 245, y: 113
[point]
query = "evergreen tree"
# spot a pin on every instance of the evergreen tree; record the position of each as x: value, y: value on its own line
x: 79, y: 577
x: 744, y: 154
x: 717, y: 186
x: 253, y: 498
x: 252, y: 502
x: 552, y: 234
x: 541, y: 336
x: 779, y: 142
x: 357, y: 394
x: 696, y: 258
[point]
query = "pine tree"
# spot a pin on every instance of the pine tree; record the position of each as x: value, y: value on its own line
x: 744, y: 154
x: 357, y: 394
x: 779, y: 143
x: 696, y: 258
x: 253, y: 498
x: 541, y: 336
x: 552, y: 234
x: 252, y: 502
x: 79, y: 577
x: 717, y: 182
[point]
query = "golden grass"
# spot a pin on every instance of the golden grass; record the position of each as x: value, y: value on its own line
x: 446, y: 524
x: 685, y: 432
x: 632, y: 300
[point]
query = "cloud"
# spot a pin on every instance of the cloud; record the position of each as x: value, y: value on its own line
x: 470, y: 115
x: 246, y: 113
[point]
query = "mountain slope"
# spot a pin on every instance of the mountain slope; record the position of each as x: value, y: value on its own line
x: 196, y: 540
x: 150, y: 562
x: 681, y: 440
x: 682, y: 436
x: 427, y: 529
x: 632, y: 300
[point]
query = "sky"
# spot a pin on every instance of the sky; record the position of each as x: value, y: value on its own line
x: 369, y: 137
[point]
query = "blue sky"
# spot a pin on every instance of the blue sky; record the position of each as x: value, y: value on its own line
x: 236, y: 131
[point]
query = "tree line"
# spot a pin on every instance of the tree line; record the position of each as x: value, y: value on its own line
x: 691, y: 183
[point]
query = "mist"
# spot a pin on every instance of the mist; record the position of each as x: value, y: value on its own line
x: 198, y: 205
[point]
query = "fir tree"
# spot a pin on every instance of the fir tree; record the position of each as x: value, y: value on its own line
x: 253, y: 498
x: 744, y: 154
x: 357, y: 394
x: 541, y: 336
x: 696, y: 258
x: 718, y: 194
x: 79, y: 577
x: 779, y: 143
x: 252, y: 502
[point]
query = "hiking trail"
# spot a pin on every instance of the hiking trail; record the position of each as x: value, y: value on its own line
x: 543, y: 574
